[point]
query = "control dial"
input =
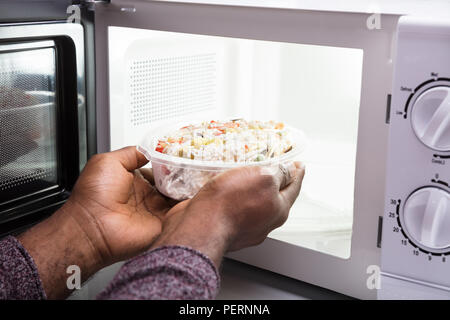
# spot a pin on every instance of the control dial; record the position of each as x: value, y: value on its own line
x: 431, y: 118
x: 426, y: 218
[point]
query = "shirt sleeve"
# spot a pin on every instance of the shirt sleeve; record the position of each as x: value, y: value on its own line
x: 19, y: 277
x: 171, y: 272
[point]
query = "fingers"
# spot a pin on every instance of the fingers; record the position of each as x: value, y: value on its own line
x: 290, y: 193
x: 130, y: 158
x: 164, y: 202
x: 284, y: 173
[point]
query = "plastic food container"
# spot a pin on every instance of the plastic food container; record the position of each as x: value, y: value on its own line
x: 181, y: 178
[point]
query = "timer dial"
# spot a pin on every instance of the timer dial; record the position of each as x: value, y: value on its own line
x: 431, y: 118
x: 426, y: 217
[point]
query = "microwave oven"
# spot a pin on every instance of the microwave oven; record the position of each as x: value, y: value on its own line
x: 369, y: 87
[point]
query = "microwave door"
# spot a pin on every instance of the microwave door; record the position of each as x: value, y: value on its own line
x: 42, y: 130
x: 325, y: 73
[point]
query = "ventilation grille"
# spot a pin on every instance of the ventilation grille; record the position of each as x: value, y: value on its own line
x: 163, y: 88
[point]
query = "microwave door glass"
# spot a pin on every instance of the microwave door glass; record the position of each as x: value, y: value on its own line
x: 27, y: 122
x: 157, y: 76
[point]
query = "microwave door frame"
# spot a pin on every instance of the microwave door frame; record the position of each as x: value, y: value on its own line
x: 347, y: 30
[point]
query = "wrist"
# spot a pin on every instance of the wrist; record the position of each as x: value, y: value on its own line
x: 55, y: 244
x: 200, y: 230
x: 80, y: 234
x: 88, y: 231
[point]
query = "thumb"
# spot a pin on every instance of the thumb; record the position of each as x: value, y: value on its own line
x: 130, y: 158
x: 290, y: 193
x: 285, y: 173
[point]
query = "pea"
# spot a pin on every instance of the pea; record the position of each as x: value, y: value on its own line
x: 259, y: 157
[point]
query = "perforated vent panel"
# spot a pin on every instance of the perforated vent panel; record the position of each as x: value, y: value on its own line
x: 24, y: 155
x: 27, y: 121
x: 163, y: 88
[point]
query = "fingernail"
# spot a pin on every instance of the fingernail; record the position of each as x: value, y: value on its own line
x: 300, y: 165
x: 292, y: 168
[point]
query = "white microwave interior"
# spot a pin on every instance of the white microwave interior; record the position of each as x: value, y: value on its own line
x: 156, y: 76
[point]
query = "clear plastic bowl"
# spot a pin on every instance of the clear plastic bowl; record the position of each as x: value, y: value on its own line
x: 181, y: 178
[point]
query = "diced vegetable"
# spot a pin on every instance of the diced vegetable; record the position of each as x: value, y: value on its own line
x: 161, y: 146
x: 259, y: 157
x: 244, y: 141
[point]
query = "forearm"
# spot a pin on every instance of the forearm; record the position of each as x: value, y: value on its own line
x: 171, y: 272
x: 203, y: 235
x: 182, y: 264
x: 19, y: 278
x: 55, y: 244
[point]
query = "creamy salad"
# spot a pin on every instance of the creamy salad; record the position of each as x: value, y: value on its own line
x: 228, y: 141
x: 223, y: 143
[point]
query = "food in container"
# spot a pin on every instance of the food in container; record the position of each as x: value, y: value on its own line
x: 185, y: 156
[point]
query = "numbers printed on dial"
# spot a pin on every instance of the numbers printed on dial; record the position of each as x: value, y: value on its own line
x: 397, y: 228
x: 424, y: 210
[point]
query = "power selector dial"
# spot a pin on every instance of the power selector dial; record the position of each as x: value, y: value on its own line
x: 426, y: 217
x: 431, y: 118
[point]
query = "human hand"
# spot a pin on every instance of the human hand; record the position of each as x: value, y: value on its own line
x: 236, y: 209
x: 116, y: 206
x: 112, y: 214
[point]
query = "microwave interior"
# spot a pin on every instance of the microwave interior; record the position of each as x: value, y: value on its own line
x: 158, y: 76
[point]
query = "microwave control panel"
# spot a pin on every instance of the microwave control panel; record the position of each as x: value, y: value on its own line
x: 416, y: 222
